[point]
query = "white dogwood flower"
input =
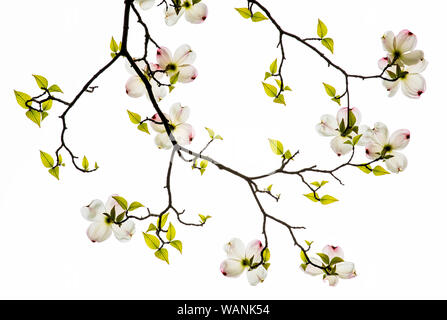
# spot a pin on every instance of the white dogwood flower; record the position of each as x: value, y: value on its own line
x: 413, y: 84
x: 339, y: 269
x: 146, y: 4
x: 182, y: 131
x: 240, y: 258
x: 330, y: 126
x: 400, y: 48
x: 382, y: 145
x: 180, y: 63
x: 102, y: 224
x: 195, y: 12
x: 135, y: 87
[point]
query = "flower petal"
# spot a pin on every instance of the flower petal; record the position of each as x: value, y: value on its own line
x: 95, y: 208
x: 184, y: 55
x: 253, y: 250
x: 391, y: 86
x: 312, y: 270
x: 146, y: 4
x: 413, y: 57
x: 388, y: 41
x: 380, y: 135
x: 418, y: 67
x: 184, y: 134
x: 135, y: 88
x: 159, y: 91
x: 124, y: 232
x: 397, y: 163
x: 333, y: 251
x: 164, y: 57
x: 333, y: 280
x: 197, y: 13
x: 187, y: 73
x: 339, y: 147
x: 99, y: 231
x: 413, y: 85
x: 405, y: 41
x: 162, y: 141
x: 327, y: 126
x: 257, y: 275
x: 400, y: 139
x: 345, y: 270
x: 232, y: 268
x: 179, y: 114
x: 235, y: 248
x: 111, y: 202
x: 158, y: 125
x: 342, y: 114
x: 171, y: 17
x: 140, y: 64
x: 373, y: 150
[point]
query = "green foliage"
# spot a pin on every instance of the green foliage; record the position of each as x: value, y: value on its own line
x: 177, y: 244
x: 321, y: 29
x: 41, y: 81
x: 121, y: 201
x: 135, y: 118
x: 258, y: 16
x: 143, y: 127
x: 379, y: 171
x: 22, y: 98
x: 162, y: 254
x: 151, y: 241
x: 266, y: 255
x: 276, y: 147
x: 173, y: 80
x: 170, y: 235
x: 54, y: 172
x: 322, y: 32
x: 313, y: 197
x: 329, y: 44
x: 213, y: 135
x: 85, y: 163
x: 327, y: 199
x: 270, y: 90
x: 47, y: 160
x: 135, y: 205
x: 335, y: 260
x: 46, y: 106
x: 280, y: 99
x: 55, y: 88
x: 164, y: 219
x: 365, y: 168
x: 330, y: 90
x: 244, y: 12
x: 324, y: 257
x: 274, y: 67
x: 34, y: 116
x: 203, y: 218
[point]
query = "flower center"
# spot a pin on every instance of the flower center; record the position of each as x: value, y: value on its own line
x: 397, y: 54
x: 108, y: 220
x: 245, y: 262
x: 387, y: 148
x: 187, y: 4
x: 171, y: 67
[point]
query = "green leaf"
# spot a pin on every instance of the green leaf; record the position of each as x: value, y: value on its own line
x: 162, y: 254
x: 55, y: 88
x: 335, y: 260
x: 44, y: 115
x: 120, y: 217
x: 312, y: 196
x: 244, y: 12
x: 204, y: 164
x: 270, y: 90
x: 287, y: 88
x: 324, y: 257
x: 274, y: 67
x: 135, y: 118
x: 178, y: 245
x: 135, y: 205
x: 316, y: 184
x: 121, y: 201
x: 329, y: 44
x: 352, y: 119
x: 336, y: 100
x: 269, y: 188
x: 203, y: 218
x: 144, y: 128
x: 22, y: 98
x: 152, y: 227
x: 174, y: 78
x: 170, y: 235
x: 321, y: 29
x: 280, y: 99
x: 356, y: 139
x: 218, y: 137
x: 46, y: 106
x: 164, y: 219
x: 47, y: 160
x: 303, y: 257
x: 41, y: 81
x: 202, y: 171
x: 267, y: 75
x: 266, y: 255
x: 210, y: 132
x: 288, y: 155
x: 54, y: 172
x: 152, y: 241
x: 379, y: 171
x: 96, y: 166
x: 267, y: 266
x: 276, y: 146
x: 34, y: 116
x: 85, y: 163
x: 324, y: 183
x: 330, y: 90
x: 258, y: 16
x: 327, y: 199
x: 113, y: 45
x: 366, y: 169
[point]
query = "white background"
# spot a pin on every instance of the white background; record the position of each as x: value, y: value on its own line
x: 392, y: 227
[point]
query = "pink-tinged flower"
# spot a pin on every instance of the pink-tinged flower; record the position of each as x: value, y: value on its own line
x: 382, y: 145
x: 135, y: 87
x: 338, y: 268
x: 146, y: 4
x: 102, y: 225
x: 330, y: 126
x: 413, y: 84
x: 240, y: 258
x: 401, y: 48
x: 182, y: 132
x: 194, y: 13
x: 180, y: 63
